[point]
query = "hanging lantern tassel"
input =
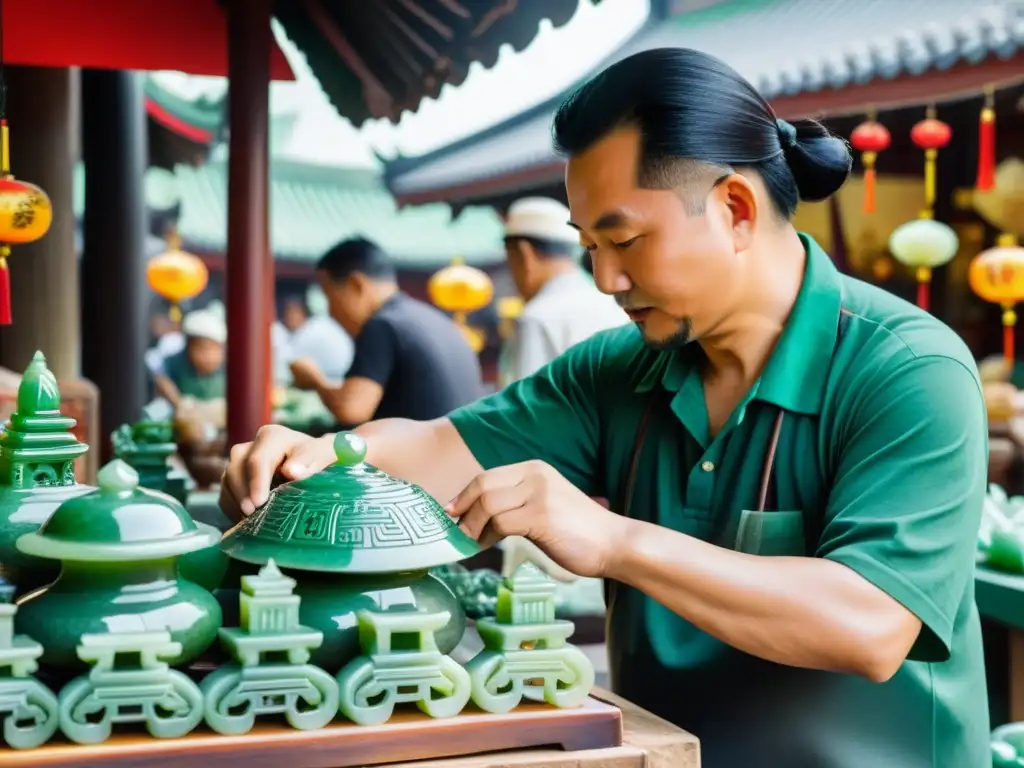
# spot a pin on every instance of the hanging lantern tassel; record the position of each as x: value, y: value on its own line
x: 6, y: 316
x: 924, y: 282
x: 987, y: 144
x: 931, y: 135
x: 1009, y: 329
x: 870, y: 138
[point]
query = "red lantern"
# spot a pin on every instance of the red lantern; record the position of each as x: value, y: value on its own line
x: 931, y: 135
x: 869, y: 138
x: 987, y: 143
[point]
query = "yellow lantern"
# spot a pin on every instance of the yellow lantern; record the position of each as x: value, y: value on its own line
x: 997, y: 276
x: 177, y: 276
x: 509, y: 310
x: 25, y: 216
x: 461, y: 289
x: 923, y: 245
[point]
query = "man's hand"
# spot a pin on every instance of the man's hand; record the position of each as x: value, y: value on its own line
x: 276, y: 450
x: 533, y: 500
x: 305, y: 373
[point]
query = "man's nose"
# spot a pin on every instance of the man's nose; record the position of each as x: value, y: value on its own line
x: 609, y: 276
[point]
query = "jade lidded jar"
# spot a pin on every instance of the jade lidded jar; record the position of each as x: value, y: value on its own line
x: 118, y: 547
x: 37, y: 472
x: 355, y: 538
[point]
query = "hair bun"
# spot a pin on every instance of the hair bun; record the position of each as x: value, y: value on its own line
x: 820, y: 162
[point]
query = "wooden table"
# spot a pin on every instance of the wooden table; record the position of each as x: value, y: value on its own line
x: 648, y: 742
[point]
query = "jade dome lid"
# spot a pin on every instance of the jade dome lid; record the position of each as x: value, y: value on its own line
x: 350, y: 518
x: 118, y: 522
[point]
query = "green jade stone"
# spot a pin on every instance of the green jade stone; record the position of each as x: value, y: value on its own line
x: 526, y: 650
x: 401, y: 665
x: 129, y: 682
x: 273, y: 674
x: 147, y: 447
x: 350, y: 518
x: 1008, y: 746
x: 37, y: 471
x: 118, y: 547
x: 28, y: 709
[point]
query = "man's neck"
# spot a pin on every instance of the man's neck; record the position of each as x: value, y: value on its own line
x: 381, y: 294
x: 740, y: 348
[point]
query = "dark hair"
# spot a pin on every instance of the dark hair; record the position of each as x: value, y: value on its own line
x: 357, y: 255
x: 688, y: 105
x: 552, y: 249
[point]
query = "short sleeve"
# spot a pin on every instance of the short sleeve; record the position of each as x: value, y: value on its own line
x: 907, y: 495
x: 551, y: 415
x: 531, y: 349
x: 375, y: 352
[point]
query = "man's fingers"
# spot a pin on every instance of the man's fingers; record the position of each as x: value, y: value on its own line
x: 489, y: 505
x: 514, y: 522
x: 307, y: 457
x: 499, y: 477
x: 267, y: 452
x: 234, y: 484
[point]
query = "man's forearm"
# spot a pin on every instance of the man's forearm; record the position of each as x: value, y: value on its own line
x: 800, y: 611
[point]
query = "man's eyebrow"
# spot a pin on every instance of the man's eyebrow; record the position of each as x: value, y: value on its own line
x: 610, y: 220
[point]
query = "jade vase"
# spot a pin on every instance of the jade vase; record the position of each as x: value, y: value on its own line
x: 37, y: 472
x: 354, y: 537
x: 118, y: 547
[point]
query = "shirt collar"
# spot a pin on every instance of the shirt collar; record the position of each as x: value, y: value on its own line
x: 794, y: 378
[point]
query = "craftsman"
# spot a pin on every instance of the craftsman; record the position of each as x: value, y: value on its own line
x: 798, y: 459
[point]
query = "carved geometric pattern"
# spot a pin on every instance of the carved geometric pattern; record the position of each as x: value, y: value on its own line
x: 398, y: 517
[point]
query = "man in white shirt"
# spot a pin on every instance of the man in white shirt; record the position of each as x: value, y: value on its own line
x: 562, y: 304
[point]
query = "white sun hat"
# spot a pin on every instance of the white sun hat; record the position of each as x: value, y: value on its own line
x: 542, y: 218
x: 204, y: 324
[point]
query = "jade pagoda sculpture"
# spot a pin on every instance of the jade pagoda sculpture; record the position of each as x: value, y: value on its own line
x: 118, y: 547
x: 339, y: 620
x: 37, y: 472
x: 147, y: 446
x: 355, y: 538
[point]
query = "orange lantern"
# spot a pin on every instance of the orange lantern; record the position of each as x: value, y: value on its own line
x: 25, y: 216
x: 997, y: 276
x: 177, y: 276
x: 461, y: 289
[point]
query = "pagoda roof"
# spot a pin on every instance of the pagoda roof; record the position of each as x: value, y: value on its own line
x: 199, y: 120
x: 797, y: 52
x: 313, y: 207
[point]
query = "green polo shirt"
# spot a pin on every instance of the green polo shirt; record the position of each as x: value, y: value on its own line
x: 881, y: 466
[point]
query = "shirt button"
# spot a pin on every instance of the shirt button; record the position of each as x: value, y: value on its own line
x: 708, y: 466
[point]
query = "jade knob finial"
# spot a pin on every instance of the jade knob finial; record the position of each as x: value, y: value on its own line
x: 117, y: 477
x: 349, y: 448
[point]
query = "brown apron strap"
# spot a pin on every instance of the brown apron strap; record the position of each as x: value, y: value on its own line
x: 769, y: 463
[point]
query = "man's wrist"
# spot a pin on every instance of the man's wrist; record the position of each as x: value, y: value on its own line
x: 620, y: 548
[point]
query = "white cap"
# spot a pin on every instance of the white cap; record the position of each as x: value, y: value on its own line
x: 542, y: 218
x: 204, y: 324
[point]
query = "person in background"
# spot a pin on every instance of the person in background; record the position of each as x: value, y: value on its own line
x: 197, y: 371
x: 167, y: 340
x: 294, y: 314
x: 562, y: 305
x: 410, y: 359
x: 318, y: 338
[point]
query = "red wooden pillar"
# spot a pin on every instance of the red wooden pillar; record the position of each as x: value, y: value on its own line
x: 248, y: 249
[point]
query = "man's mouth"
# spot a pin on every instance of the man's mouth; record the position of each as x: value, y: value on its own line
x: 638, y: 315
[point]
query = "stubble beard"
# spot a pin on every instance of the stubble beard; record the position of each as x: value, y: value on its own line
x: 682, y: 336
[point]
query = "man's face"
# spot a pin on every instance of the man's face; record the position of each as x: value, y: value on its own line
x: 343, y: 301
x: 517, y: 252
x: 206, y: 355
x: 294, y: 316
x: 677, y: 274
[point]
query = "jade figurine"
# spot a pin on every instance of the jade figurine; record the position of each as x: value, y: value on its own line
x: 28, y: 709
x: 118, y: 547
x: 147, y: 446
x: 37, y: 472
x: 272, y: 674
x: 355, y: 538
x: 401, y: 664
x: 526, y: 652
x: 129, y: 681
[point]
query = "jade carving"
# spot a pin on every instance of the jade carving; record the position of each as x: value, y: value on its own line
x: 129, y: 682
x: 526, y: 652
x: 28, y: 709
x: 118, y: 546
x: 355, y: 539
x: 273, y: 674
x: 37, y: 472
x: 401, y: 665
x: 147, y: 447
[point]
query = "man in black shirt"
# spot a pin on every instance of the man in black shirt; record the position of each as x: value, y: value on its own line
x: 411, y: 361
